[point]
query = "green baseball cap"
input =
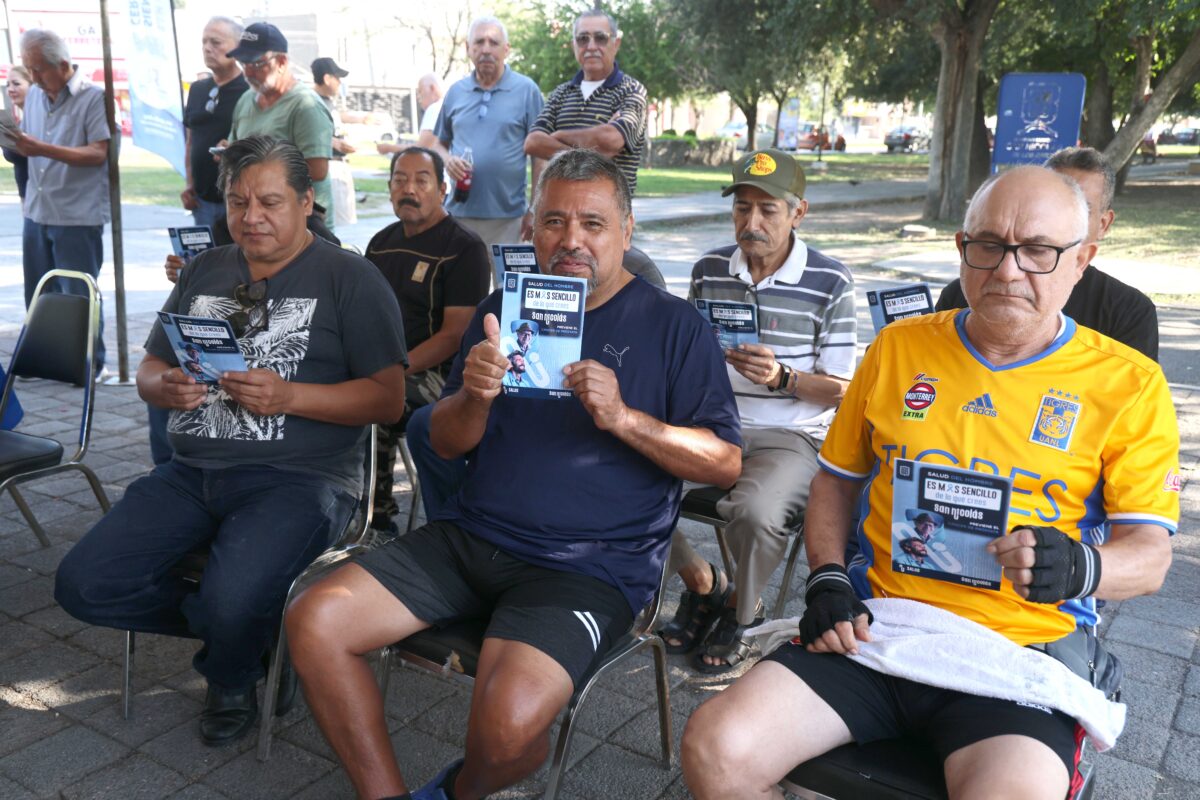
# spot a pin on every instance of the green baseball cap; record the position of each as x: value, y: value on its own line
x: 773, y: 171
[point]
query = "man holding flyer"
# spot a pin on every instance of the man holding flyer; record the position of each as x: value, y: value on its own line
x: 788, y: 326
x: 268, y: 460
x: 1024, y: 434
x: 560, y: 564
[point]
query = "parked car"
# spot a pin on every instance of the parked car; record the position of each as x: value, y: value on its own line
x: 808, y: 138
x: 764, y: 135
x: 1179, y: 136
x: 370, y: 128
x: 907, y: 138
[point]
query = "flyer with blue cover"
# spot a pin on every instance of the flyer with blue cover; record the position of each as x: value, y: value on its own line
x: 889, y: 305
x: 514, y: 258
x: 205, y: 347
x: 187, y: 242
x: 943, y: 519
x: 541, y: 331
x: 733, y: 323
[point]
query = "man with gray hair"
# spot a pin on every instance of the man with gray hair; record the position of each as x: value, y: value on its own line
x: 601, y: 107
x: 429, y: 98
x: 1099, y: 301
x: 481, y: 136
x: 65, y: 136
x: 1028, y: 401
x: 559, y: 565
x: 208, y: 116
x: 267, y: 462
x: 788, y: 383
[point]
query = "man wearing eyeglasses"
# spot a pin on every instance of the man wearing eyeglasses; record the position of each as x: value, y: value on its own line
x: 1085, y: 429
x: 490, y: 111
x: 601, y: 107
x: 267, y: 463
x: 1099, y: 301
x: 208, y: 117
x: 282, y: 107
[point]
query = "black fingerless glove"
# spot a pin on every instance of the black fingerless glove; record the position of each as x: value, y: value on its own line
x: 829, y: 599
x: 1063, y: 568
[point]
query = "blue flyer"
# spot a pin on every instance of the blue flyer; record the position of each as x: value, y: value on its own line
x: 205, y: 347
x: 733, y: 323
x: 541, y: 331
x: 514, y: 258
x: 889, y: 305
x: 943, y: 519
x: 187, y: 242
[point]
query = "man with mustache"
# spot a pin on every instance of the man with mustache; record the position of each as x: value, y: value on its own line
x: 283, y: 107
x: 788, y: 386
x: 490, y: 111
x: 1084, y: 427
x: 601, y: 107
x: 440, y: 271
x: 559, y: 565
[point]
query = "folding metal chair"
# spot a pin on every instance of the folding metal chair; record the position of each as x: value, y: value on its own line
x: 191, y: 569
x: 701, y: 505
x: 454, y: 651
x: 56, y: 344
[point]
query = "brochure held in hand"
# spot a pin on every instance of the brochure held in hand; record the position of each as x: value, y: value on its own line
x: 205, y: 347
x: 541, y: 331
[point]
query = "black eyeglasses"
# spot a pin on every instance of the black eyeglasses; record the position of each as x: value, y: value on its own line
x: 1036, y: 258
x: 599, y: 37
x: 255, y: 315
x: 211, y: 105
x: 259, y: 64
x: 483, y: 108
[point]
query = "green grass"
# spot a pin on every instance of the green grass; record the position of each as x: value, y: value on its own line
x: 1157, y: 221
x: 672, y: 181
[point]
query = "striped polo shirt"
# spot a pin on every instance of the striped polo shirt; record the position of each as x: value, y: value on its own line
x: 806, y: 315
x: 619, y: 101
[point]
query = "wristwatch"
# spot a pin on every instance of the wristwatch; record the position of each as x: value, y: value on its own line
x: 785, y: 375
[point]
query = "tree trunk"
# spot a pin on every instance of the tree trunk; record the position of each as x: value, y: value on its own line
x: 1125, y: 143
x: 959, y: 36
x: 779, y: 101
x: 1098, y: 129
x: 981, y: 156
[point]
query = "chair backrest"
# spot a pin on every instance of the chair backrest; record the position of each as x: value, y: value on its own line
x: 57, y: 344
x: 640, y: 264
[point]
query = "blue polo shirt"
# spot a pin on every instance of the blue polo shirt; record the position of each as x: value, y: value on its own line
x: 547, y: 486
x: 493, y: 123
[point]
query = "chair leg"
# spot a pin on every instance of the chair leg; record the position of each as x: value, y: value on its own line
x: 726, y: 553
x: 664, y: 700
x: 785, y: 586
x: 97, y: 489
x: 127, y: 677
x: 414, y: 481
x: 266, y: 722
x: 383, y: 671
x: 27, y: 513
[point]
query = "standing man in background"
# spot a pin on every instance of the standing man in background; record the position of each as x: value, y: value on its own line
x: 208, y: 117
x: 327, y: 83
x: 429, y: 98
x: 601, y: 107
x: 490, y: 111
x: 65, y: 136
x: 281, y: 107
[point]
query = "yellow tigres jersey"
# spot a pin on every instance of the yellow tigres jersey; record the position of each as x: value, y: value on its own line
x: 1085, y: 430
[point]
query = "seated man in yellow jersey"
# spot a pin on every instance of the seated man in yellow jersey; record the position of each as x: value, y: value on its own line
x: 1113, y: 458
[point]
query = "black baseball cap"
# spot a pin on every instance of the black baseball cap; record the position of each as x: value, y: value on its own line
x: 773, y: 171
x: 258, y: 39
x: 326, y: 66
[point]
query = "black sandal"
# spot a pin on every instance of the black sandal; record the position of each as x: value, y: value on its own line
x: 696, y: 615
x: 727, y: 642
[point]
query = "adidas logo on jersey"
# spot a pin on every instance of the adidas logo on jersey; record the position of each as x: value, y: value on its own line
x: 981, y: 405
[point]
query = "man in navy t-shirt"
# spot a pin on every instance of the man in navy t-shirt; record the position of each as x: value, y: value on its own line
x: 560, y: 564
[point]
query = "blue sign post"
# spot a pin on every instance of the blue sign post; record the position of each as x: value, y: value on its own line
x: 1039, y: 114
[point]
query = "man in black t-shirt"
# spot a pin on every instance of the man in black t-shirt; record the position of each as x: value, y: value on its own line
x: 1099, y: 301
x: 439, y: 271
x: 208, y: 117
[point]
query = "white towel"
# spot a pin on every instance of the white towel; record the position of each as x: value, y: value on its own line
x: 928, y: 645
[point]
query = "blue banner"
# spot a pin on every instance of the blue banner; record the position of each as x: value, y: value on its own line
x: 1039, y: 114
x: 154, y: 81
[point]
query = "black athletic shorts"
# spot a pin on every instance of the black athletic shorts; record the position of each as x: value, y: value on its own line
x: 875, y: 706
x: 442, y: 573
